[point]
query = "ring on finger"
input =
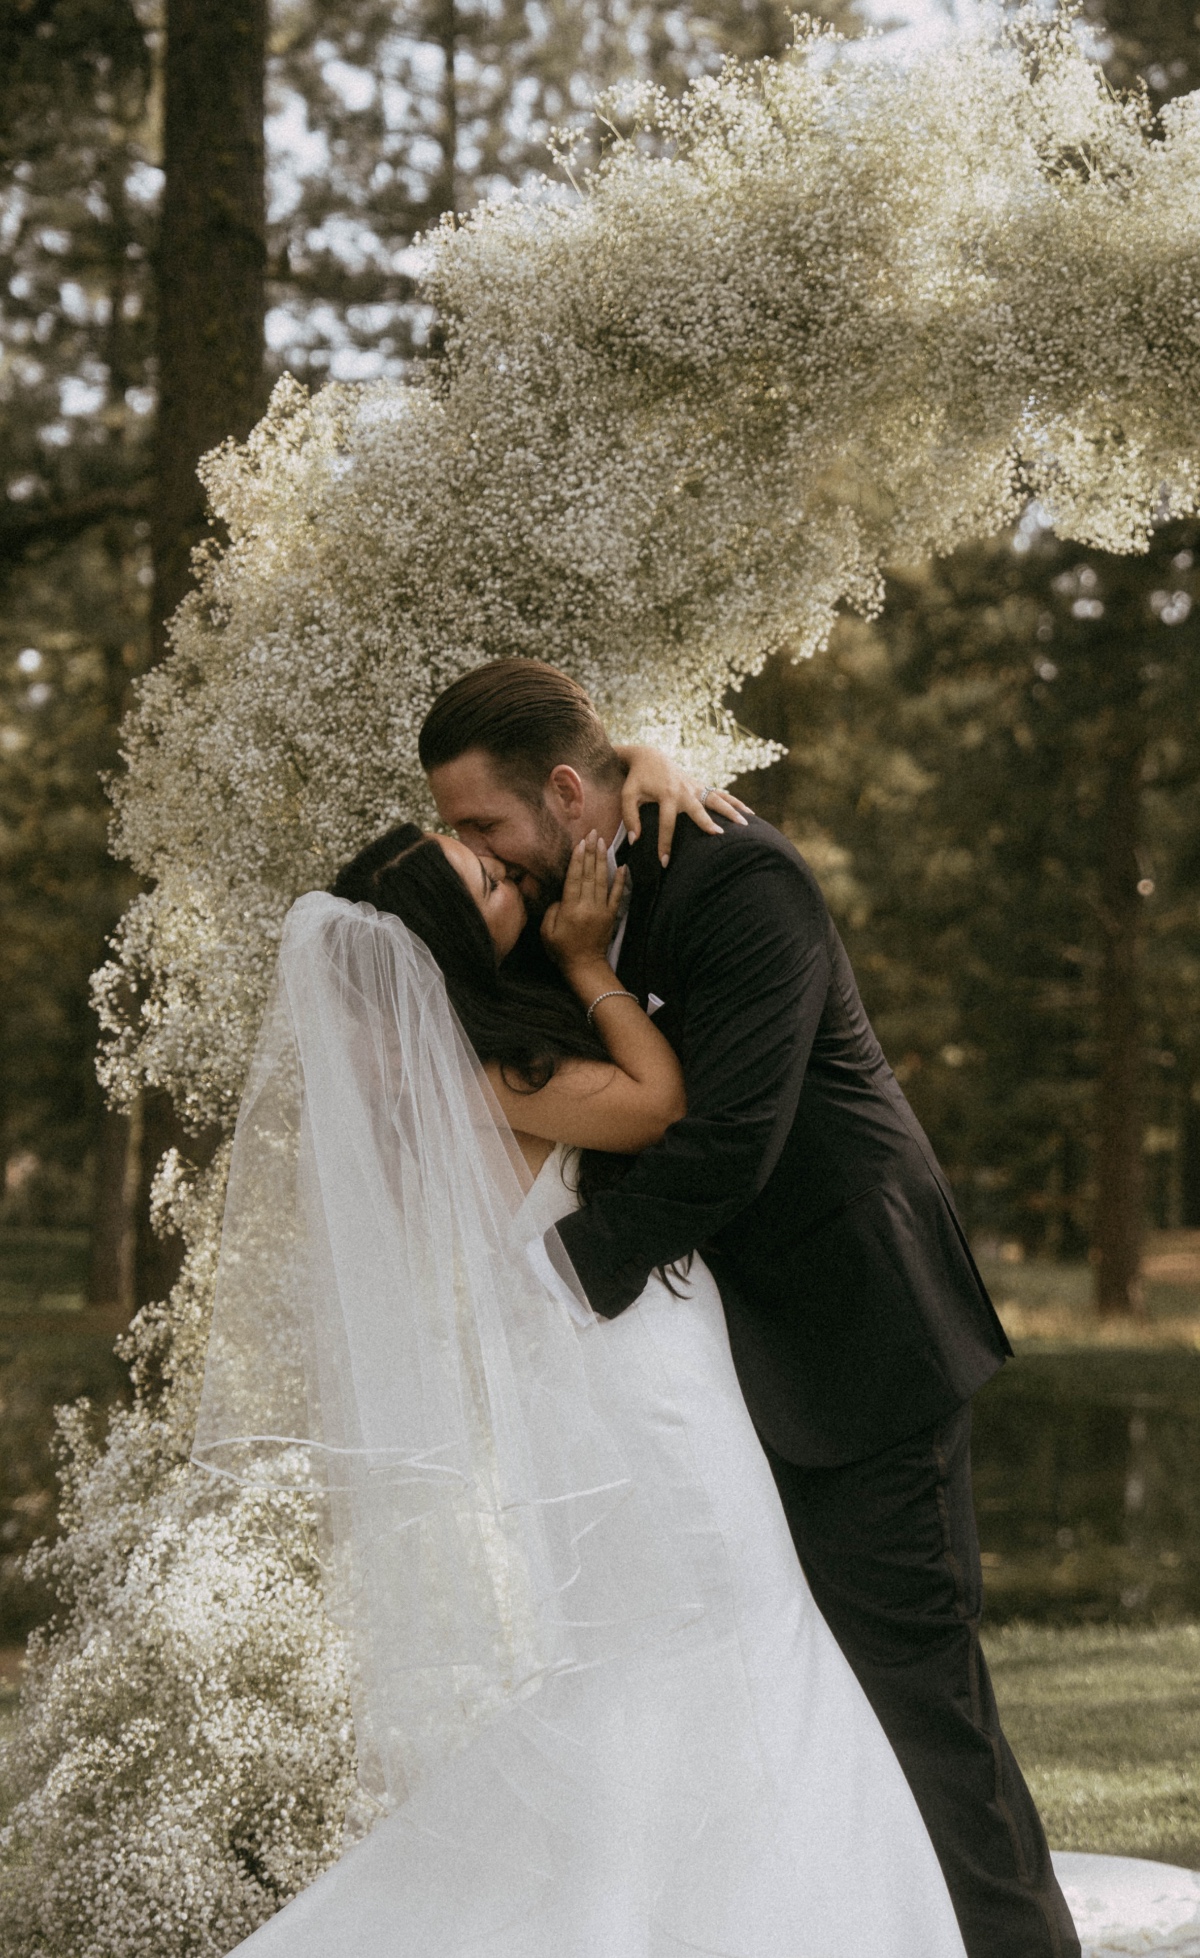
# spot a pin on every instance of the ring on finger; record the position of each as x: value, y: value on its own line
x: 704, y: 795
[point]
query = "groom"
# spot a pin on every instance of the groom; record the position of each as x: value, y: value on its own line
x: 859, y: 1325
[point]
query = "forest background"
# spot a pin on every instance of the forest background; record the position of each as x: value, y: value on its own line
x: 997, y: 780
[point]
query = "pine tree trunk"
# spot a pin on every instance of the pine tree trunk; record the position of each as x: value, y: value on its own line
x: 210, y: 292
x: 445, y: 28
x: 211, y: 263
x: 1119, y: 1215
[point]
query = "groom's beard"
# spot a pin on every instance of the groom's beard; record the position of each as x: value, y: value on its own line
x: 541, y: 877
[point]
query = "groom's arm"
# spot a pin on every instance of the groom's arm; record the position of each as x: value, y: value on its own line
x: 754, y: 957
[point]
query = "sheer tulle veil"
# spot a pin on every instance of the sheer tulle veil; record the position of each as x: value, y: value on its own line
x: 496, y: 1533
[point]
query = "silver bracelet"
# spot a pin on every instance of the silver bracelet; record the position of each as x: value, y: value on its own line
x: 618, y: 992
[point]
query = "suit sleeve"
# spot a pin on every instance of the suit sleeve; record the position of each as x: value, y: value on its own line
x: 753, y: 958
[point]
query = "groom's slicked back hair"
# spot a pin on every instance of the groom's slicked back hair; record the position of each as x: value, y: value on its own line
x: 528, y: 717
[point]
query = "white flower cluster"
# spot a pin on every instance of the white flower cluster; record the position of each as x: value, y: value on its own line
x: 814, y: 318
x: 186, y: 1757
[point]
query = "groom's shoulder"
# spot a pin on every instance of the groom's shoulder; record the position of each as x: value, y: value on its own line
x: 736, y: 849
x: 703, y: 864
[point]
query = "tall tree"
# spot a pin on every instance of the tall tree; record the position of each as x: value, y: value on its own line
x: 210, y: 272
x: 210, y: 264
x: 75, y: 348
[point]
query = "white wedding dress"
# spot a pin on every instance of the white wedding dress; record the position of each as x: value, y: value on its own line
x: 517, y: 1847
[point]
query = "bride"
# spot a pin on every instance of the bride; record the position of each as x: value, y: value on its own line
x: 597, y: 1713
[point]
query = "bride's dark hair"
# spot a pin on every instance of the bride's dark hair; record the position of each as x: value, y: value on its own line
x: 526, y: 1020
x: 519, y: 1013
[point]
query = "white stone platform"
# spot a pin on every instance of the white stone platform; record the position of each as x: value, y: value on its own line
x: 1126, y: 1908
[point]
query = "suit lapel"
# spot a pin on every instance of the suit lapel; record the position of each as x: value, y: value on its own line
x: 645, y: 873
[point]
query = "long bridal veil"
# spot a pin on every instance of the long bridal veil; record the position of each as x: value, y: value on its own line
x: 496, y: 1536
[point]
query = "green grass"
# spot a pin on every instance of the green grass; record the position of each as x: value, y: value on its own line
x: 1042, y: 1286
x: 42, y: 1270
x: 1105, y: 1722
x: 1039, y: 1282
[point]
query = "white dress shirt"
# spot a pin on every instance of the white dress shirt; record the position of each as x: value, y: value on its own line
x: 618, y: 937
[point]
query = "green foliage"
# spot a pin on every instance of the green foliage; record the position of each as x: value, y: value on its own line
x: 74, y: 253
x: 947, y: 772
x: 75, y: 329
x: 68, y: 641
x: 389, y: 117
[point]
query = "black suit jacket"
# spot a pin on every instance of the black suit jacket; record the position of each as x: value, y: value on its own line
x: 856, y: 1314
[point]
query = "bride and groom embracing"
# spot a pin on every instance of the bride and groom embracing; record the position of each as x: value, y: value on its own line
x: 582, y: 1243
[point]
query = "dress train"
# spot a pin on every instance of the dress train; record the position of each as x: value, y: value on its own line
x: 517, y: 1847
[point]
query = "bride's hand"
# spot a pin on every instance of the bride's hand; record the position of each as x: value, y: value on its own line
x: 654, y: 777
x: 576, y: 931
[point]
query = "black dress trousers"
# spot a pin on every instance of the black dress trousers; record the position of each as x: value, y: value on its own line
x: 890, y: 1550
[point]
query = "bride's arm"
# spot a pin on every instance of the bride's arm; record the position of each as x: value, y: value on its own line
x: 653, y: 777
x: 623, y: 1104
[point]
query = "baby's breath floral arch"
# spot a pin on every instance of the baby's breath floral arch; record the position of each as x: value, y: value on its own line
x: 819, y: 316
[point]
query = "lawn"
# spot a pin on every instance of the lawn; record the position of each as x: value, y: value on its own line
x: 1040, y: 1299
x: 1105, y: 1721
